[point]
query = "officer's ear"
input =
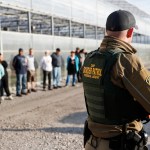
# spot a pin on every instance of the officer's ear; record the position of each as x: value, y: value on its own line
x: 129, y: 33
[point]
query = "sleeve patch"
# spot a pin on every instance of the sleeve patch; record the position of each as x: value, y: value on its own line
x: 148, y: 80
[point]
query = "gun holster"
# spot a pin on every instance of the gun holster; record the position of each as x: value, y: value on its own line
x: 86, y: 133
x: 131, y: 141
x: 136, y: 141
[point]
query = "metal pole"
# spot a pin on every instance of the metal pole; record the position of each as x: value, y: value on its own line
x: 84, y: 28
x: 31, y: 6
x: 29, y: 21
x: 71, y: 35
x: 1, y: 41
x: 52, y: 25
x: 70, y: 29
x: 96, y: 19
x: 30, y: 24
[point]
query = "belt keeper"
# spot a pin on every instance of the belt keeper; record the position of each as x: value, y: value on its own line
x: 94, y: 141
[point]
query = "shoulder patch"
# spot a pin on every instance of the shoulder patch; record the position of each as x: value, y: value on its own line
x: 148, y: 80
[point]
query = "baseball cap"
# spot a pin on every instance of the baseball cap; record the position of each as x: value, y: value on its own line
x: 120, y: 20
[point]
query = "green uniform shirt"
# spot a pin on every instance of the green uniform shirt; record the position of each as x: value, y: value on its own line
x: 129, y: 73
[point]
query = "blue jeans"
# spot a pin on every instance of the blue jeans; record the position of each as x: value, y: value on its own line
x: 56, y: 76
x: 73, y: 79
x: 21, y: 83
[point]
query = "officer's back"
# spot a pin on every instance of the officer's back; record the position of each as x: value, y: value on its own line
x: 117, y: 89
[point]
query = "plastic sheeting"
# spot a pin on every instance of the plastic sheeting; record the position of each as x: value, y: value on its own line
x: 92, y: 12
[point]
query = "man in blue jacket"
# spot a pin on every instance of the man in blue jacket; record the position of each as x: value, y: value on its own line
x: 20, y: 66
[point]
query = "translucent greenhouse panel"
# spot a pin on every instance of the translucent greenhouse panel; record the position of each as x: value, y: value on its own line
x: 56, y: 7
x: 90, y: 32
x: 90, y: 11
x: 62, y: 8
x: 77, y: 11
x: 42, y: 42
x: 13, y: 20
x: 88, y: 3
x: 77, y: 30
x: 143, y: 27
x: 90, y: 17
x: 104, y: 9
x: 101, y: 15
x: 91, y: 45
x: 63, y: 43
x: 78, y: 43
x: 61, y: 27
x: 18, y: 3
x: 44, y: 6
x: 41, y: 24
x: 100, y: 33
x: 20, y: 40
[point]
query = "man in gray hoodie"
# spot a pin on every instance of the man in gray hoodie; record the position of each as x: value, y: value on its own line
x: 56, y: 63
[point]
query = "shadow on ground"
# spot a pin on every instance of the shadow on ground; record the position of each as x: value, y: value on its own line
x: 71, y: 130
x: 74, y: 118
x: 77, y: 118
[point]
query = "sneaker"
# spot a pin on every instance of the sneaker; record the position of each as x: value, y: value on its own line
x: 55, y: 87
x: 59, y: 86
x: 67, y: 85
x: 19, y: 95
x: 50, y: 89
x: 2, y: 98
x: 24, y: 93
x: 10, y: 97
x: 33, y: 90
x: 29, y: 91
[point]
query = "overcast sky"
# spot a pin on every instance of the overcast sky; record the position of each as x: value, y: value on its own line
x: 142, y: 4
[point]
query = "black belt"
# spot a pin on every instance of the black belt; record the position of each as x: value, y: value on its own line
x: 115, y: 137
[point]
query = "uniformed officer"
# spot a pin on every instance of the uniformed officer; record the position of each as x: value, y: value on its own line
x: 117, y: 90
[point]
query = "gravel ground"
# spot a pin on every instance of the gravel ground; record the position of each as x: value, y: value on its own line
x: 51, y: 120
x: 45, y: 120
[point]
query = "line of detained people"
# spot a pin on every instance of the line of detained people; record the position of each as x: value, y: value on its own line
x: 25, y: 69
